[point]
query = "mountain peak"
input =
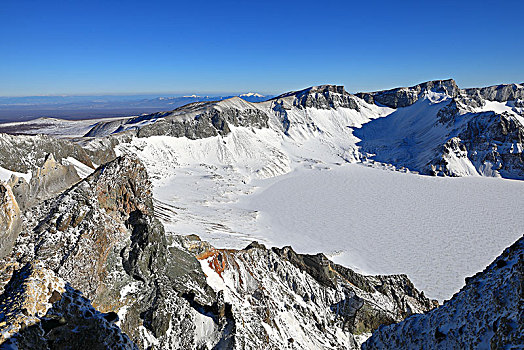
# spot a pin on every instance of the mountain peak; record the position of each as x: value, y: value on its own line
x: 251, y: 94
x: 406, y: 96
x: 322, y: 89
x: 499, y: 93
x: 321, y: 97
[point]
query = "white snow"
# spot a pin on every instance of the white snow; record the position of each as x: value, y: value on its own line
x: 501, y: 107
x: 5, y: 174
x: 81, y: 169
x: 251, y: 94
x: 205, y: 330
x: 495, y: 106
x: 212, y: 277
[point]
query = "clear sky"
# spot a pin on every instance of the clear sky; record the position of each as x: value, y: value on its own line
x: 85, y: 47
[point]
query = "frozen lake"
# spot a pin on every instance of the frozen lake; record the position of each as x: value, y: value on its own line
x: 436, y: 230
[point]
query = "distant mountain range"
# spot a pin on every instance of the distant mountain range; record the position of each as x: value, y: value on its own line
x: 88, y: 107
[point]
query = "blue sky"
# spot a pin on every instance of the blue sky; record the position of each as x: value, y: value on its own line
x: 86, y: 47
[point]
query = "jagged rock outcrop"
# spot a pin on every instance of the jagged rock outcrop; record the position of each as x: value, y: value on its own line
x: 51, y: 178
x: 321, y: 97
x: 39, y: 310
x: 101, y: 150
x: 25, y: 153
x: 46, y: 182
x: 496, y: 141
x: 10, y: 220
x: 20, y: 188
x: 486, y: 314
x: 492, y: 143
x: 80, y: 233
x: 499, y: 93
x: 287, y: 300
x: 102, y: 238
x: 447, y: 115
x: 403, y: 97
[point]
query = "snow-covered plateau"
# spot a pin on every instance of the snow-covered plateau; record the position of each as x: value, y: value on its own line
x: 424, y: 181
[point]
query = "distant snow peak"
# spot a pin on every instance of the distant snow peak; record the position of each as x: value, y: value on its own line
x: 192, y: 96
x: 251, y: 94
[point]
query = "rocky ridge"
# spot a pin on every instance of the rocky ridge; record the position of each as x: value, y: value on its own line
x: 404, y: 97
x: 459, y: 133
x: 500, y: 93
x: 289, y: 300
x: 321, y: 97
x: 194, y: 121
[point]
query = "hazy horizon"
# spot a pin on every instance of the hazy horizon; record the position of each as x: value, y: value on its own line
x: 234, y: 93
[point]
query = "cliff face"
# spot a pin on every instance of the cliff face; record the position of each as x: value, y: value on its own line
x: 46, y: 182
x: 321, y: 97
x: 25, y: 153
x: 10, y: 219
x: 486, y: 314
x: 500, y: 93
x: 492, y: 143
x: 404, y: 97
